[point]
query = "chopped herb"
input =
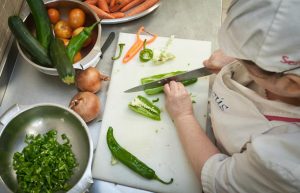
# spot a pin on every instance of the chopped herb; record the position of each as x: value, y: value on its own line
x: 44, y: 165
x: 193, y: 101
x: 155, y: 100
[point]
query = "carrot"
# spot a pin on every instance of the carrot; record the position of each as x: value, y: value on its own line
x: 102, y: 4
x: 118, y: 14
x: 131, y: 5
x: 119, y: 4
x: 108, y: 2
x: 102, y: 14
x: 91, y: 2
x: 142, y: 7
x: 112, y: 3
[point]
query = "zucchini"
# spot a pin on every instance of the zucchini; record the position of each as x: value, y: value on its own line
x: 42, y: 22
x: 61, y: 61
x: 28, y: 42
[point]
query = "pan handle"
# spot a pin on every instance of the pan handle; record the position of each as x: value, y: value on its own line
x: 9, y: 114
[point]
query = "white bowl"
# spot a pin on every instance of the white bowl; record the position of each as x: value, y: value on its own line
x: 90, y: 54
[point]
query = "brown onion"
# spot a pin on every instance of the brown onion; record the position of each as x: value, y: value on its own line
x: 90, y: 80
x: 86, y: 104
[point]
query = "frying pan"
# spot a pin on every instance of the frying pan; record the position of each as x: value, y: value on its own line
x: 18, y: 121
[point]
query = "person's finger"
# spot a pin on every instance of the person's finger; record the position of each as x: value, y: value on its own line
x: 173, y: 85
x: 180, y: 86
x: 167, y: 89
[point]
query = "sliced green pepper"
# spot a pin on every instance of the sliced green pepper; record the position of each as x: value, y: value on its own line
x: 121, y: 46
x: 130, y: 160
x: 143, y: 106
x: 160, y: 89
x: 77, y: 41
x: 146, y: 54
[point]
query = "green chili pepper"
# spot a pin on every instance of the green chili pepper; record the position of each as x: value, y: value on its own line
x: 146, y: 54
x: 160, y: 89
x: 143, y: 106
x: 77, y: 41
x: 121, y: 46
x: 130, y: 160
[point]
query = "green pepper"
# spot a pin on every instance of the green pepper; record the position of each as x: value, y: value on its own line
x: 146, y: 54
x: 143, y: 106
x: 121, y: 46
x: 130, y: 160
x: 160, y: 89
x: 77, y: 41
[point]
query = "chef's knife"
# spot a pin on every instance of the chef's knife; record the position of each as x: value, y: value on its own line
x: 199, y: 72
x: 107, y: 43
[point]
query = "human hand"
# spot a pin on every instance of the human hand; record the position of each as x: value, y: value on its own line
x: 217, y: 61
x: 178, y: 101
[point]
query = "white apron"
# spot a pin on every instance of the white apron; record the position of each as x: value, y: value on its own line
x: 259, y: 139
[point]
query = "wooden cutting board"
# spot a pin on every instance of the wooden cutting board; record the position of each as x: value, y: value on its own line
x: 156, y: 143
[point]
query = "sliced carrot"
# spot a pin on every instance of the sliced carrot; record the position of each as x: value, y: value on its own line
x: 102, y: 4
x: 102, y: 14
x: 91, y: 2
x: 131, y: 5
x: 118, y: 14
x: 119, y: 4
x: 142, y: 7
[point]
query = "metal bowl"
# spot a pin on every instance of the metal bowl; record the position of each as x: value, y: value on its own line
x: 38, y: 119
x: 90, y: 54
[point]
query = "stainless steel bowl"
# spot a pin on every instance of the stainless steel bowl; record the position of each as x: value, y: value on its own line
x: 38, y: 119
x: 90, y: 54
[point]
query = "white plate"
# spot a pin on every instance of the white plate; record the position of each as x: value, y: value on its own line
x: 126, y: 19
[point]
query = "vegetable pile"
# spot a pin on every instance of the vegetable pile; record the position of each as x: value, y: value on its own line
x: 111, y: 9
x: 44, y: 165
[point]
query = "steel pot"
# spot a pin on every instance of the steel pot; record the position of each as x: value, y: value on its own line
x: 19, y: 121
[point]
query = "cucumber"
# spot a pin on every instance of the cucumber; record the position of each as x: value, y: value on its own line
x: 28, y: 42
x: 42, y: 22
x: 61, y: 61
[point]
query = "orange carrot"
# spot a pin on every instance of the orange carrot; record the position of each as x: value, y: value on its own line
x: 102, y: 14
x: 118, y: 14
x: 142, y: 7
x: 119, y: 4
x: 112, y: 3
x: 91, y: 2
x: 131, y: 5
x: 102, y: 4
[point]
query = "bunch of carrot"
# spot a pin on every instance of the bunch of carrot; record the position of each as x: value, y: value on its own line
x: 111, y: 9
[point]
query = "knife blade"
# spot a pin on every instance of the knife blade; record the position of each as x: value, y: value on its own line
x: 199, y: 72
x: 107, y: 43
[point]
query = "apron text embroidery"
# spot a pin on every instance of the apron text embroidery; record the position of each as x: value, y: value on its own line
x: 219, y: 101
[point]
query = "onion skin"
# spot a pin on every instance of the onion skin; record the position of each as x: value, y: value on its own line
x: 87, y: 105
x: 90, y: 80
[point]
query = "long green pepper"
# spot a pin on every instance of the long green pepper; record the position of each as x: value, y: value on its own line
x: 130, y: 160
x: 77, y: 41
x: 160, y: 89
x: 145, y: 107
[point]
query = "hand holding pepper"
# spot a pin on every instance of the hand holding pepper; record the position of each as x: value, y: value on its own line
x: 178, y: 101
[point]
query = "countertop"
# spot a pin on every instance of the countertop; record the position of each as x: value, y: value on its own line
x: 188, y: 19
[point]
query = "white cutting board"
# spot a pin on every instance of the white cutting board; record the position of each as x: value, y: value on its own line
x: 156, y: 143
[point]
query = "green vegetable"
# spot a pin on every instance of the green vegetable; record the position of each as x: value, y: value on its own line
x: 42, y: 22
x: 143, y: 106
x: 28, y: 42
x: 130, y: 160
x: 160, y: 89
x: 44, y: 165
x: 146, y: 54
x: 61, y: 61
x: 121, y: 46
x: 77, y: 41
x: 155, y: 100
x: 161, y: 56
